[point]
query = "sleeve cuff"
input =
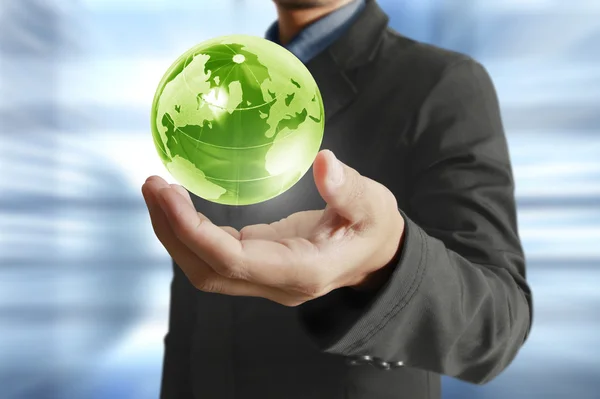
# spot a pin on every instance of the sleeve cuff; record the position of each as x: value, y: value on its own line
x: 345, y: 321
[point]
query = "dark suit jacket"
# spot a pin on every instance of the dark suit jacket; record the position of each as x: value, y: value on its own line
x: 424, y: 122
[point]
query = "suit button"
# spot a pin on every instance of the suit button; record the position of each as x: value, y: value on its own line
x: 396, y: 365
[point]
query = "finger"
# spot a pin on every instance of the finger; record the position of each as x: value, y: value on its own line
x: 259, y: 231
x: 353, y: 196
x: 208, y: 241
x: 262, y: 262
x: 192, y: 266
x: 231, y: 231
x: 299, y: 224
x: 185, y: 193
x: 157, y: 182
x: 150, y: 189
x: 196, y: 270
x: 178, y: 251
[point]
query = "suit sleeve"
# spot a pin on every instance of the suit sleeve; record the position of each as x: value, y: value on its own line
x: 176, y: 371
x: 457, y: 301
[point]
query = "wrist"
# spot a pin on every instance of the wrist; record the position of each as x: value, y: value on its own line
x: 385, y: 264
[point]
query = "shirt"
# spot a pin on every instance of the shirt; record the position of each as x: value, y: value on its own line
x: 317, y: 36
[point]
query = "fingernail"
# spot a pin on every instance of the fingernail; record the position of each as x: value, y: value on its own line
x: 336, y: 174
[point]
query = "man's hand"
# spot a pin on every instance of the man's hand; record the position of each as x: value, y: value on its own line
x: 291, y: 261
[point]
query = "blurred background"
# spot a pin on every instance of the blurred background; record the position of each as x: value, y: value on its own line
x: 83, y: 282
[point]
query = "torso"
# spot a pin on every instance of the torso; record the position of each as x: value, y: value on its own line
x: 251, y: 347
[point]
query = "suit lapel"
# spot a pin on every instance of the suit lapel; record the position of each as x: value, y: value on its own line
x: 355, y: 48
x: 336, y: 89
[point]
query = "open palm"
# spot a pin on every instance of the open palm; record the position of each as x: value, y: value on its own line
x: 289, y: 261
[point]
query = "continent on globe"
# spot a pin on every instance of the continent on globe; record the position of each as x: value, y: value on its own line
x: 237, y: 120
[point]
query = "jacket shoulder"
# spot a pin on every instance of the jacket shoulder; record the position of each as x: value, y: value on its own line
x: 418, y: 62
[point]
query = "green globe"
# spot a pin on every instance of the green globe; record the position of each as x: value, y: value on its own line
x: 237, y: 120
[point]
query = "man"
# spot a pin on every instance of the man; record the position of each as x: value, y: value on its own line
x: 375, y: 274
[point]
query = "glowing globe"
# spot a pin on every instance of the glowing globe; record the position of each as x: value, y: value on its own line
x: 237, y: 120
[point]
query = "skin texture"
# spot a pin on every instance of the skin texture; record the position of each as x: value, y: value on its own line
x: 294, y: 260
x: 294, y: 15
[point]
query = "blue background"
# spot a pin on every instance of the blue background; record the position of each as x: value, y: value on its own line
x: 84, y: 283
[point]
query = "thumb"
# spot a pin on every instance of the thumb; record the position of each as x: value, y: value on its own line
x: 353, y: 196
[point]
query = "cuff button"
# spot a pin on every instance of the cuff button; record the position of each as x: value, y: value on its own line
x: 360, y: 360
x: 383, y: 365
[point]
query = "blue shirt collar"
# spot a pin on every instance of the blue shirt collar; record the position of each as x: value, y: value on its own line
x: 319, y: 35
